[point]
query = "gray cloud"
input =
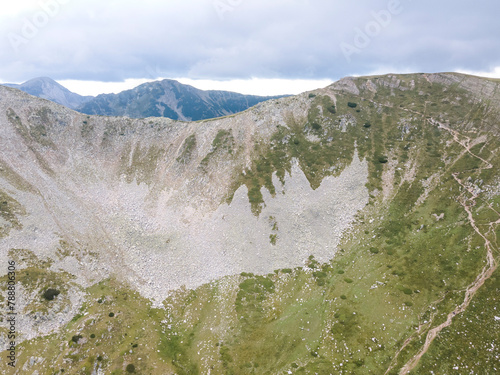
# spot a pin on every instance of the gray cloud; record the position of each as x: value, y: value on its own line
x: 224, y: 39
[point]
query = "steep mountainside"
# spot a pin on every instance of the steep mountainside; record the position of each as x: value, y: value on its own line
x: 349, y: 230
x: 49, y: 89
x: 170, y: 99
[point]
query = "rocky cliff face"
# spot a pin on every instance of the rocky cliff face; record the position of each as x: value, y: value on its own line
x: 311, y: 233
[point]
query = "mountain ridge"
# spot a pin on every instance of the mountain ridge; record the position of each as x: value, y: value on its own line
x: 165, y: 98
x: 169, y: 98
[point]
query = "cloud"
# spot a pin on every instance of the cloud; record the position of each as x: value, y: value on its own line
x: 239, y: 39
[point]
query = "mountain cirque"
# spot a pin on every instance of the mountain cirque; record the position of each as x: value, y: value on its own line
x: 368, y: 209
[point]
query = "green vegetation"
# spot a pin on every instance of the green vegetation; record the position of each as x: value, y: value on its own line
x: 316, y: 159
x: 143, y: 165
x: 222, y: 144
x: 76, y: 338
x: 187, y: 149
x: 51, y: 293
x: 10, y: 209
x: 130, y: 368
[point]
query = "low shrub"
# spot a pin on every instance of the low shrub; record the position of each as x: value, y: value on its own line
x: 382, y: 159
x: 76, y: 338
x: 50, y: 294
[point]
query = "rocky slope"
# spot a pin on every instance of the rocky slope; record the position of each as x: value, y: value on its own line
x: 337, y: 231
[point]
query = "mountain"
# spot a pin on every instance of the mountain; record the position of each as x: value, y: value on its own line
x: 49, y: 89
x: 352, y: 229
x: 169, y: 98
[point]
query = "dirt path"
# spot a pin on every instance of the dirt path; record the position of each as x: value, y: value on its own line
x: 487, y: 271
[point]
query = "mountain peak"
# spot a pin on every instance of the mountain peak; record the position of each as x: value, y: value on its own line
x: 47, y: 88
x: 172, y: 99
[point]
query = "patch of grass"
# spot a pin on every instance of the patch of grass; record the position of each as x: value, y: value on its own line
x: 187, y: 150
x: 223, y: 143
x: 273, y: 238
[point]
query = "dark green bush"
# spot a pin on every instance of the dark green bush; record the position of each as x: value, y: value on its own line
x: 316, y: 126
x: 367, y: 124
x: 359, y: 362
x: 130, y: 368
x: 351, y: 105
x: 76, y: 338
x: 331, y: 109
x: 111, y: 314
x: 382, y: 159
x: 50, y: 293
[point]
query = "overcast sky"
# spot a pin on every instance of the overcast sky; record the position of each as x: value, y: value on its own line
x: 246, y: 44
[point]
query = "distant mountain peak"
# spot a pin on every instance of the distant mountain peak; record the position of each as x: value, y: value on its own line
x: 172, y: 99
x: 47, y: 88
